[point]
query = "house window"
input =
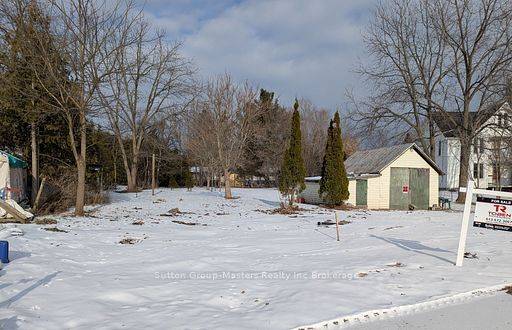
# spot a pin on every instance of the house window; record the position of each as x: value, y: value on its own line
x: 478, y: 171
x: 496, y: 144
x: 479, y: 146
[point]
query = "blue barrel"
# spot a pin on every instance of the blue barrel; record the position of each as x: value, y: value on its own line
x: 4, y: 251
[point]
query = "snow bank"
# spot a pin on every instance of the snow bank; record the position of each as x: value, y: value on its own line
x: 380, y: 314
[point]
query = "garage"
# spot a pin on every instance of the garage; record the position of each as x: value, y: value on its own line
x: 399, y: 177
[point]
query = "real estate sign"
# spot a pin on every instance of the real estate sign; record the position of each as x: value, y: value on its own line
x: 493, y: 213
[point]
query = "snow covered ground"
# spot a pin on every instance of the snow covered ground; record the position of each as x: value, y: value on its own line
x: 239, y: 268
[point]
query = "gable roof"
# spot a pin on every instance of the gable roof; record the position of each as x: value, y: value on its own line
x: 375, y: 160
x: 449, y: 125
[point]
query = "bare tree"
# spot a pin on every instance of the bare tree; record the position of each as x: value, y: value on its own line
x: 314, y: 124
x: 152, y: 82
x: 479, y: 38
x: 222, y: 125
x: 406, y: 70
x: 83, y: 30
x: 438, y: 58
x: 199, y: 137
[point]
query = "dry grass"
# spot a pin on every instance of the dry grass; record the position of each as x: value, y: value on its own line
x: 174, y: 212
x: 129, y: 240
x: 95, y: 198
x: 286, y: 210
x: 45, y: 221
x: 55, y: 230
x: 60, y: 193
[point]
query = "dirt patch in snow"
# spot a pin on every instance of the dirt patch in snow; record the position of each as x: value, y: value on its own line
x: 508, y: 289
x: 55, y: 229
x: 189, y: 223
x: 129, y: 240
x: 45, y: 221
x: 174, y: 212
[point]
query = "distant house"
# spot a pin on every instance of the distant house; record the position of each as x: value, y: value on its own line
x: 491, y: 152
x: 394, y: 177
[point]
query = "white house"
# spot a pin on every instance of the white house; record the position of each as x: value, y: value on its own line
x: 387, y: 178
x: 490, y: 160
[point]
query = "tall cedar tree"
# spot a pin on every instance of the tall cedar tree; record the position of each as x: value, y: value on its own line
x: 334, y: 182
x: 189, y: 180
x: 293, y: 171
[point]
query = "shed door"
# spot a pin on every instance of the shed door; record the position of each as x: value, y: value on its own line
x: 409, y: 186
x: 419, y: 179
x: 361, y: 192
x: 399, y: 189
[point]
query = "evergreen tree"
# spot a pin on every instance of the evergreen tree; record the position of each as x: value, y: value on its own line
x: 28, y: 125
x: 334, y: 182
x: 327, y: 154
x: 173, y: 183
x: 293, y: 171
x: 189, y: 180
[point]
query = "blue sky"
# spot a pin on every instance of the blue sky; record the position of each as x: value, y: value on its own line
x: 296, y: 48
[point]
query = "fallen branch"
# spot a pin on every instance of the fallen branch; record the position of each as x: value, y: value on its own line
x: 189, y: 223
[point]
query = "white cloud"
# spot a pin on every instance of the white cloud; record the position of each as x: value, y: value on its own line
x: 295, y: 48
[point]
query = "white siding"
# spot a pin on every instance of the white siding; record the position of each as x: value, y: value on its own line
x: 352, y: 192
x: 450, y: 163
x: 310, y: 194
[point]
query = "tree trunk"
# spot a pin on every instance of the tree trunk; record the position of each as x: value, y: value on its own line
x: 81, y: 166
x: 132, y: 178
x: 431, y: 137
x: 465, y: 152
x: 227, y: 185
x: 35, y: 163
x: 80, y: 188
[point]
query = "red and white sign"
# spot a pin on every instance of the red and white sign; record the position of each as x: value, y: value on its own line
x: 405, y: 189
x: 493, y: 213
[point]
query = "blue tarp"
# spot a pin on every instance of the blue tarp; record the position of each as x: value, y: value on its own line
x: 15, y: 162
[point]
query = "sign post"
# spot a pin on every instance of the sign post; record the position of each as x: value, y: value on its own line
x: 465, y: 224
x: 492, y: 213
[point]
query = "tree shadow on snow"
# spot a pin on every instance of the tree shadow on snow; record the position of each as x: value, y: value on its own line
x: 14, y: 255
x: 45, y: 280
x: 9, y: 323
x: 414, y: 246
